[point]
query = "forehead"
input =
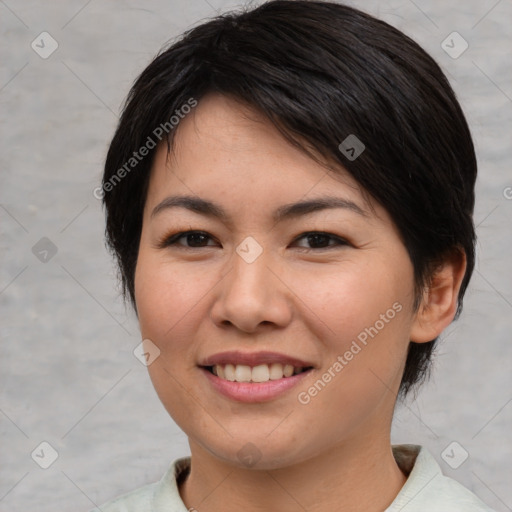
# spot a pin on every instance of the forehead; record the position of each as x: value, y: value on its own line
x: 227, y: 150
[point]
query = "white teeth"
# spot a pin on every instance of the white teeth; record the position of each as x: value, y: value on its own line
x: 242, y: 373
x: 288, y: 370
x: 229, y: 372
x: 260, y: 373
x: 276, y: 371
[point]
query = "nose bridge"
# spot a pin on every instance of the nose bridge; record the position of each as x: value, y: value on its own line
x: 251, y: 294
x: 249, y: 277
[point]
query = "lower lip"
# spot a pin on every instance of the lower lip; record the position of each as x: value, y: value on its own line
x: 251, y: 392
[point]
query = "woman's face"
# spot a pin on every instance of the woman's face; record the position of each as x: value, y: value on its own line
x: 340, y: 301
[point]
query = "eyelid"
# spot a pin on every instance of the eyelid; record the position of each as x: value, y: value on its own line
x: 340, y: 240
x: 171, y: 240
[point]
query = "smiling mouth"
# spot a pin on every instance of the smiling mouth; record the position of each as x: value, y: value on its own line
x: 256, y: 374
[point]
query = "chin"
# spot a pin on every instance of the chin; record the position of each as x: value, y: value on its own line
x: 259, y: 453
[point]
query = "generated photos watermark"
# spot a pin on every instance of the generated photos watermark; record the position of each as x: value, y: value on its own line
x: 305, y: 397
x: 143, y: 151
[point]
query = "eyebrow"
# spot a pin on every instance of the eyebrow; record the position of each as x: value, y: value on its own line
x: 285, y: 212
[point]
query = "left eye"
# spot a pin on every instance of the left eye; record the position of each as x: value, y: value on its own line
x: 320, y: 240
x: 198, y: 239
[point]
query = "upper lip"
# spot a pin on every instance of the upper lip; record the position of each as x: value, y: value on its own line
x: 253, y: 359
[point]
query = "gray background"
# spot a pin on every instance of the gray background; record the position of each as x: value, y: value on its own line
x: 68, y: 373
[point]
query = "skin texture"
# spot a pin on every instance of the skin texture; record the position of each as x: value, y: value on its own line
x: 294, y: 299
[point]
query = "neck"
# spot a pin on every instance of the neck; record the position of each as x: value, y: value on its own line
x: 362, y: 476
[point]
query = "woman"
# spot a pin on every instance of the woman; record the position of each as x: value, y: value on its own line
x: 289, y: 196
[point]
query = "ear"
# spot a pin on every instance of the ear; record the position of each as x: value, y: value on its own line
x: 439, y: 301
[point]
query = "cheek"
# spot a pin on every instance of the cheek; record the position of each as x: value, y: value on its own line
x: 360, y: 314
x: 171, y: 299
x: 170, y: 310
x: 348, y: 298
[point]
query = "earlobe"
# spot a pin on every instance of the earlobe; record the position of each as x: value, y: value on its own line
x: 439, y: 301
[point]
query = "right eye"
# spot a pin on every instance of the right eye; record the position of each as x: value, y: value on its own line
x: 196, y: 240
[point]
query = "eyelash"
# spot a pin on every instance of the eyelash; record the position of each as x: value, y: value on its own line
x: 173, y: 239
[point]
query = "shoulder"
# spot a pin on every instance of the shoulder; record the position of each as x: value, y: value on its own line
x: 448, y: 494
x: 161, y: 496
x: 427, y: 489
x: 138, y: 500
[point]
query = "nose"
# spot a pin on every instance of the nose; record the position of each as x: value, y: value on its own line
x: 252, y: 295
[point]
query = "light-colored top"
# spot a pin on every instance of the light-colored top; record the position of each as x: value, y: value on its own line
x: 426, y: 489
